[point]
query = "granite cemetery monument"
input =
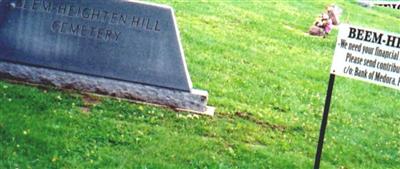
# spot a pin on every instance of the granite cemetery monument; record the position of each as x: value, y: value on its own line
x: 121, y: 48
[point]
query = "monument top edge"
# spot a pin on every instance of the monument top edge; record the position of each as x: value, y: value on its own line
x: 149, y: 3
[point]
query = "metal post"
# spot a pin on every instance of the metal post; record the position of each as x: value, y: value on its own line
x: 324, y: 121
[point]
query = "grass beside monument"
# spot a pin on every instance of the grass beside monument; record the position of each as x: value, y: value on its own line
x: 266, y: 77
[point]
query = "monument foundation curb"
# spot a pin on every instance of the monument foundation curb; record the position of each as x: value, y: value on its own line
x: 194, y: 101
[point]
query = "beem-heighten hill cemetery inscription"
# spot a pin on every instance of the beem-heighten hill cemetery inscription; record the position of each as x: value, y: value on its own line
x: 123, y: 48
x: 89, y: 14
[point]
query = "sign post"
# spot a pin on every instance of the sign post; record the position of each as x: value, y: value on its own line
x: 324, y: 121
x: 363, y: 54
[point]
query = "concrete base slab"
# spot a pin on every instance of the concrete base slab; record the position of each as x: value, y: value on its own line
x: 194, y: 101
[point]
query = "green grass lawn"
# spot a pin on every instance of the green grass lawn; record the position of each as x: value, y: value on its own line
x: 266, y: 77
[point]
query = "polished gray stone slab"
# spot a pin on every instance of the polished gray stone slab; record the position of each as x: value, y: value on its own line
x: 114, y: 39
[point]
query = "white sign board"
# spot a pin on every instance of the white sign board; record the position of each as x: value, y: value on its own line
x: 394, y: 5
x: 388, y: 4
x: 369, y: 55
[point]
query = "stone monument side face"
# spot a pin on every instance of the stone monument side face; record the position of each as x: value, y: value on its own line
x: 115, y: 39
